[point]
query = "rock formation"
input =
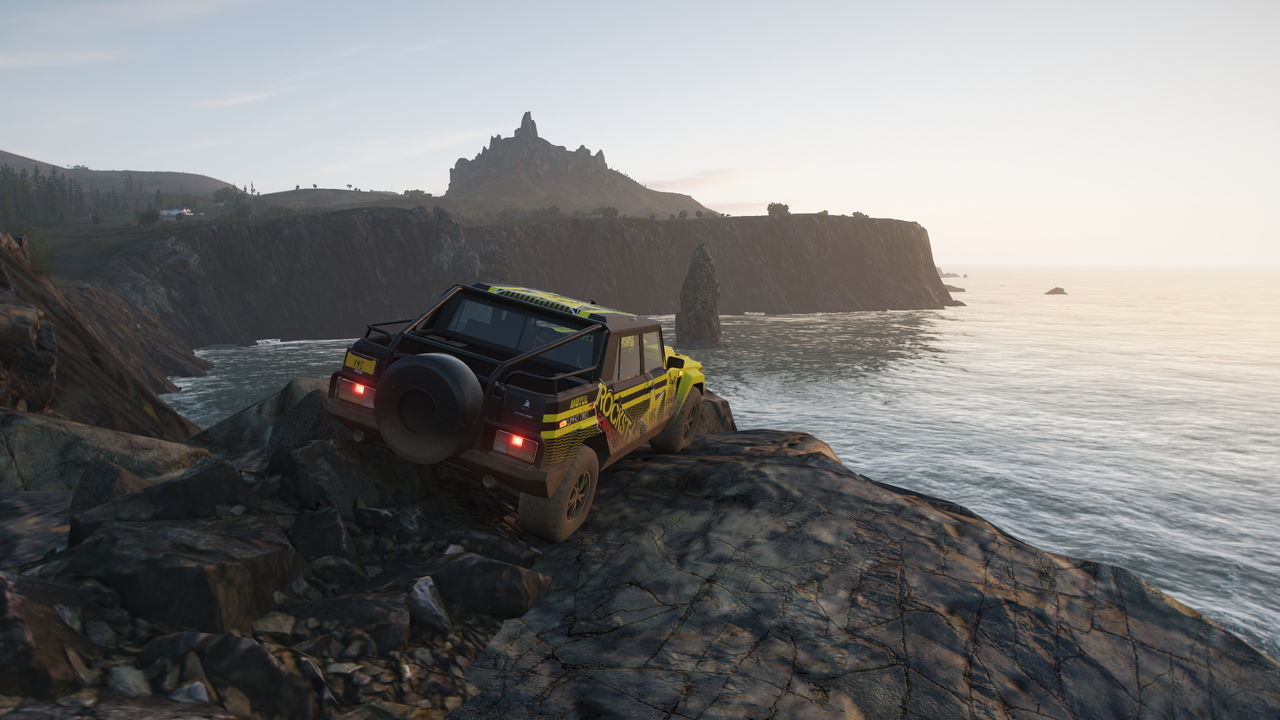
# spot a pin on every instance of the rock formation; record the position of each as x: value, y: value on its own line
x: 768, y: 576
x: 1055, y: 291
x: 54, y: 361
x: 524, y: 172
x: 698, y: 321
x: 328, y: 275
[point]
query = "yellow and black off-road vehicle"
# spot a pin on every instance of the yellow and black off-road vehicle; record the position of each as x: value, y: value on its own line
x: 523, y: 389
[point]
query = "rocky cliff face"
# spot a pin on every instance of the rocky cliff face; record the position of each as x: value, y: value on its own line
x: 325, y: 276
x: 56, y: 361
x: 524, y: 171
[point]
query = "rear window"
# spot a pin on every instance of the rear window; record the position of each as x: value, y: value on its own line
x: 519, y: 332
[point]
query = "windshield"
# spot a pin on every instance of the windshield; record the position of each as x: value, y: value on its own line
x: 520, y: 331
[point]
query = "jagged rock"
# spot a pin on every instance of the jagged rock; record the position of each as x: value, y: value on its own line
x: 335, y: 571
x: 714, y: 415
x: 198, y: 493
x: 41, y: 655
x: 348, y: 474
x: 427, y: 609
x: 43, y: 453
x: 698, y: 321
x: 769, y: 576
x: 1055, y: 291
x: 247, y: 677
x: 104, y: 481
x: 31, y: 525
x: 248, y: 437
x: 305, y: 421
x: 216, y: 574
x: 472, y: 584
x: 528, y: 129
x: 93, y: 383
x: 127, y: 681
x: 320, y: 533
x: 402, y: 524
x: 953, y: 288
x: 275, y: 623
x: 383, y: 616
x: 490, y: 545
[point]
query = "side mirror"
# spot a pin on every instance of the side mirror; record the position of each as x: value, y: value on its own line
x: 675, y: 361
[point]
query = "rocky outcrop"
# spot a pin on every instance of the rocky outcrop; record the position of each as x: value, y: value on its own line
x: 774, y: 580
x: 328, y: 275
x: 52, y: 360
x: 524, y: 172
x: 751, y: 572
x: 698, y: 321
x: 1055, y: 291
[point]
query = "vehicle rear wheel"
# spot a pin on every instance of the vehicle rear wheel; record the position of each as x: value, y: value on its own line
x: 680, y: 430
x: 557, y: 517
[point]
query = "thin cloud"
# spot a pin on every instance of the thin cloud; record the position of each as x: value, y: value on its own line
x: 420, y: 47
x: 242, y: 99
x: 698, y: 181
x: 54, y: 58
x: 97, y: 16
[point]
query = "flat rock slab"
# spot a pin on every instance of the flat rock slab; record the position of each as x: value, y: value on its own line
x: 43, y: 453
x: 753, y: 576
x: 31, y: 524
x: 42, y: 653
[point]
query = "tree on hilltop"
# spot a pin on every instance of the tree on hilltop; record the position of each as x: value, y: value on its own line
x: 779, y: 209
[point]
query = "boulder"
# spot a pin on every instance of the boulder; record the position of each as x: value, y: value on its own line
x: 38, y: 452
x: 1055, y: 291
x: 216, y: 574
x: 28, y: 355
x: 698, y: 320
x: 473, y: 584
x: 31, y: 525
x: 347, y: 475
x: 427, y: 609
x: 251, y: 429
x: 320, y: 533
x: 714, y: 415
x: 492, y: 546
x: 102, y: 482
x: 42, y: 654
x: 199, y: 493
x: 753, y: 571
x: 384, y: 617
x: 402, y: 524
x: 247, y: 678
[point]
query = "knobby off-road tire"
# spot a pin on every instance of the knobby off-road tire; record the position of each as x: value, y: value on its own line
x: 428, y: 407
x: 557, y: 517
x: 680, y: 430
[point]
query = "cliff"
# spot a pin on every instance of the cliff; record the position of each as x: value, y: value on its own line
x: 328, y: 275
x: 56, y: 361
x: 524, y: 172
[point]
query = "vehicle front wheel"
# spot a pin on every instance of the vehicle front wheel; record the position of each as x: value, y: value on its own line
x: 557, y: 517
x: 680, y: 430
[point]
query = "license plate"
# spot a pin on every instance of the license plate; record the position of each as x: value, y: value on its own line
x: 360, y: 364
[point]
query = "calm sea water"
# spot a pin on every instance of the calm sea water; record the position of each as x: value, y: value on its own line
x: 1133, y: 421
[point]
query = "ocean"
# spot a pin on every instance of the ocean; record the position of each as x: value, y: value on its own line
x: 1133, y: 421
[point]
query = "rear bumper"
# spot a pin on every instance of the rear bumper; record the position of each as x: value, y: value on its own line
x: 512, y: 475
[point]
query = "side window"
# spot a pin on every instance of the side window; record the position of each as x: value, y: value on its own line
x: 652, y: 351
x: 628, y: 356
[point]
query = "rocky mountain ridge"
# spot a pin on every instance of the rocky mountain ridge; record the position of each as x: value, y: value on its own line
x: 526, y: 172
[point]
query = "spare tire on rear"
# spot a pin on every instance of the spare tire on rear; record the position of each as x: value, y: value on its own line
x: 428, y: 407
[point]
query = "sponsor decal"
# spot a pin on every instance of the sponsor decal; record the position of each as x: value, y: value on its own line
x: 613, y: 418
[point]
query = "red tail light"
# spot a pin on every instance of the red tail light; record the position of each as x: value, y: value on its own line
x: 355, y: 393
x: 517, y: 446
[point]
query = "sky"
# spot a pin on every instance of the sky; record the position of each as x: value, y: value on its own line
x: 1016, y: 132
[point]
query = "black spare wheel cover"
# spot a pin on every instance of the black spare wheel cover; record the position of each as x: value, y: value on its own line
x: 428, y: 407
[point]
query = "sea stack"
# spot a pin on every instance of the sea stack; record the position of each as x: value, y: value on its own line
x: 698, y: 321
x: 1055, y: 291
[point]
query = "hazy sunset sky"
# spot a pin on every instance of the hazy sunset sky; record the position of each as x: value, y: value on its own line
x: 1018, y: 132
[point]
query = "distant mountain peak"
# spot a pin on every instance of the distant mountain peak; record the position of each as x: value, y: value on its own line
x: 528, y: 128
x: 525, y: 172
